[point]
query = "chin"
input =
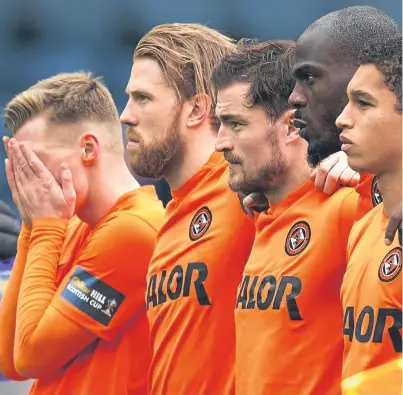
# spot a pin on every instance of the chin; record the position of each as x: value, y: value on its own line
x: 359, y: 165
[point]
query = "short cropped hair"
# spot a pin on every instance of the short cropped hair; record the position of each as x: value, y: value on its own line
x: 71, y: 97
x: 66, y: 98
x: 187, y: 54
x: 387, y: 58
x: 353, y: 28
x: 267, y: 67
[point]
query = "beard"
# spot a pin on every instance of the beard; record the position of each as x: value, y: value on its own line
x: 327, y: 141
x: 156, y: 158
x: 261, y: 180
x: 327, y: 145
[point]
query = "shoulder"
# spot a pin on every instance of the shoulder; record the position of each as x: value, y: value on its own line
x: 127, y: 229
x: 361, y: 226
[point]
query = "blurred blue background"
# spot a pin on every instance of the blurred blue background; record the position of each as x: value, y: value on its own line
x: 39, y: 38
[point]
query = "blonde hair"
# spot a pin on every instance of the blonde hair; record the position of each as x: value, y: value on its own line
x: 187, y: 54
x: 66, y: 98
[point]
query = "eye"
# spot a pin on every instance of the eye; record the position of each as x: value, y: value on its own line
x: 363, y: 104
x: 309, y: 78
x: 236, y: 125
x: 141, y: 98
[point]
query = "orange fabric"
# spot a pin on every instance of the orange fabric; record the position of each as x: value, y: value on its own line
x: 371, y: 296
x: 62, y: 288
x: 75, y: 232
x: 8, y: 307
x: 288, y: 314
x: 369, y: 194
x: 194, y: 273
x: 385, y: 379
x: 36, y: 351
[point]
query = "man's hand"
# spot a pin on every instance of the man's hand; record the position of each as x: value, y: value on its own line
x: 333, y: 172
x: 253, y: 202
x: 13, y: 187
x: 394, y: 224
x: 37, y: 191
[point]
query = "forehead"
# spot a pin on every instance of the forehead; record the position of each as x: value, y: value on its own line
x: 33, y: 131
x: 316, y: 48
x: 368, y: 78
x: 233, y: 98
x: 41, y: 134
x: 146, y: 74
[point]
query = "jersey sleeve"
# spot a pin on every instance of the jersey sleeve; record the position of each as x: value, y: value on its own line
x: 8, y: 307
x: 106, y: 286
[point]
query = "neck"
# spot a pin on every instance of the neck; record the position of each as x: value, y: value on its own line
x: 109, y: 181
x: 296, y: 174
x: 197, y: 151
x: 390, y: 186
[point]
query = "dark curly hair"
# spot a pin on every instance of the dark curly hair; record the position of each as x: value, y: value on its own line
x: 267, y: 67
x: 387, y: 58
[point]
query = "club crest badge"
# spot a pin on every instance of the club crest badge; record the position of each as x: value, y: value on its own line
x: 375, y: 193
x: 298, y: 238
x: 391, y: 265
x: 200, y: 223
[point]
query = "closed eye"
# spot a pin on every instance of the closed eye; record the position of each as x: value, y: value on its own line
x: 140, y: 97
x: 363, y: 104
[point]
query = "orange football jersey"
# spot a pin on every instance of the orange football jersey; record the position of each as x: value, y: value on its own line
x: 386, y: 379
x: 370, y: 196
x: 100, y: 287
x: 200, y: 254
x: 288, y: 313
x: 371, y: 296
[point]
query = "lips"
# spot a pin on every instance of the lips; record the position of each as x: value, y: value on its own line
x: 300, y: 124
x: 344, y: 140
x: 298, y: 121
x: 232, y: 162
x: 132, y: 137
x: 231, y: 159
x: 346, y: 143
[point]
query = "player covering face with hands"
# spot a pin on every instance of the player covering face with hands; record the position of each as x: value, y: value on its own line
x: 50, y: 199
x: 74, y: 306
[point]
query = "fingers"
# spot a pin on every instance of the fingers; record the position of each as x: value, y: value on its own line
x: 255, y: 202
x: 67, y: 184
x: 11, y: 180
x: 35, y: 165
x: 26, y: 161
x: 349, y: 177
x: 19, y: 163
x: 333, y: 178
x: 241, y: 197
x: 313, y: 174
x: 6, y: 140
x: 323, y: 170
x: 248, y: 204
x: 395, y: 222
x: 333, y: 171
x: 355, y: 180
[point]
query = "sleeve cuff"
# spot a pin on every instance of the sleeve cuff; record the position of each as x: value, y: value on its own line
x: 49, y: 222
